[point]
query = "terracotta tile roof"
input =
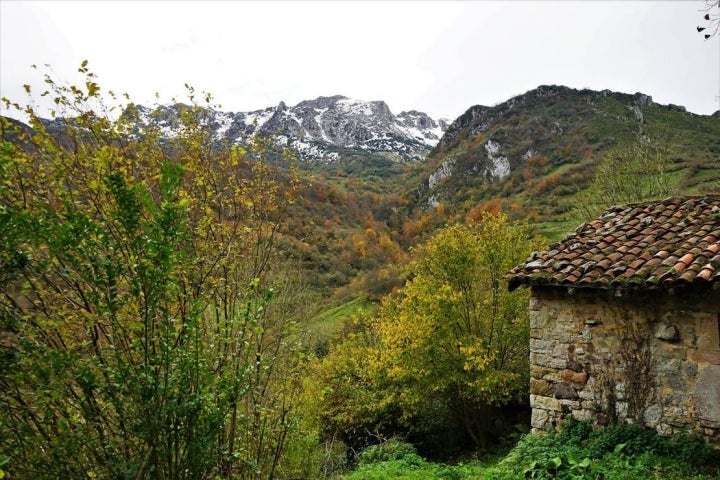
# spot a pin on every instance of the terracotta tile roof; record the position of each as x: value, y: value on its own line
x: 667, y: 244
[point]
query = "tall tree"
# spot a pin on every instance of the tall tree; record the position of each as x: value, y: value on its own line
x: 455, y: 334
x: 450, y: 348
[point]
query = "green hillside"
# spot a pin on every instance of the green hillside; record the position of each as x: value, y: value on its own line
x: 537, y: 152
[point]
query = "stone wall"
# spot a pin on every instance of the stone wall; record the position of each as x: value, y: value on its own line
x: 651, y: 358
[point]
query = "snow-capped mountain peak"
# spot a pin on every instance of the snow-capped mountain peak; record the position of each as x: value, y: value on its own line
x: 319, y: 129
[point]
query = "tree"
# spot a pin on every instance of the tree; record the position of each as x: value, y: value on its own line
x: 352, y: 403
x: 629, y: 173
x: 455, y: 333
x: 712, y: 25
x: 142, y: 336
x: 451, y: 348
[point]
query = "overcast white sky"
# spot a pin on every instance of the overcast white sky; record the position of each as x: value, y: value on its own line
x: 437, y: 57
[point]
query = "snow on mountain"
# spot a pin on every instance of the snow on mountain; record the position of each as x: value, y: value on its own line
x: 318, y: 129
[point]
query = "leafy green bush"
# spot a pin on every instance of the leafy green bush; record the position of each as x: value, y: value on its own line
x: 622, y: 451
x: 393, y: 449
x: 691, y: 449
x: 398, y: 460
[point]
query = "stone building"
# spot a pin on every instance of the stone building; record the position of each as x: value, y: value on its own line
x: 625, y: 319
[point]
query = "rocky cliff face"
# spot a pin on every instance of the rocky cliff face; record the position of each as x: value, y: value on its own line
x: 318, y: 129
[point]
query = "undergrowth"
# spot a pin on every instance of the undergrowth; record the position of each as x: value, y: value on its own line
x: 576, y: 451
x: 395, y: 460
x: 617, y: 452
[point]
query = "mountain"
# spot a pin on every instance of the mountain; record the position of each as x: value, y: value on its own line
x: 14, y: 131
x: 322, y: 129
x: 360, y: 209
x: 536, y: 151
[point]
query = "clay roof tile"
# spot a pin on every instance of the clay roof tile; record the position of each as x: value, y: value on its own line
x: 686, y: 259
x: 704, y: 274
x: 671, y: 242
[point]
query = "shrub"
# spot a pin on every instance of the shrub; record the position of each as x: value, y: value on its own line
x: 393, y: 449
x: 621, y: 451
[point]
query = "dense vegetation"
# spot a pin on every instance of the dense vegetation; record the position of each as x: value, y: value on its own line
x: 445, y: 358
x: 151, y: 330
x: 576, y: 451
x: 176, y: 307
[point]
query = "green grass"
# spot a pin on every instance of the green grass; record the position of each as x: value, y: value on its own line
x: 555, y: 231
x: 329, y: 322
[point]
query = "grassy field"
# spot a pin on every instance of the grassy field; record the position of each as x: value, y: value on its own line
x: 330, y: 322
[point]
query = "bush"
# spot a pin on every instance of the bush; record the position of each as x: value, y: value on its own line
x: 393, y: 449
x: 621, y: 451
x: 398, y: 460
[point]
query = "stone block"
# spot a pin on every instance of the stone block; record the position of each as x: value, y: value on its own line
x: 539, y: 418
x: 707, y: 332
x: 680, y: 422
x: 671, y: 350
x: 707, y: 394
x: 667, y: 332
x: 539, y: 319
x: 559, y: 356
x: 583, y: 415
x: 538, y: 333
x: 536, y: 371
x: 545, y: 403
x: 575, y: 366
x: 540, y: 346
x: 710, y: 424
x: 535, y: 304
x: 689, y: 369
x: 540, y: 387
x: 620, y: 391
x: 668, y: 366
x: 564, y: 391
x: 570, y: 404
x: 586, y: 394
x: 586, y: 334
x: 664, y: 430
x: 622, y: 409
x: 571, y: 376
x: 653, y: 415
x: 555, y: 362
x: 539, y: 359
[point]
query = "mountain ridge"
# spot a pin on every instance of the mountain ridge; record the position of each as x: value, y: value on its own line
x: 473, y: 114
x: 320, y: 129
x: 530, y: 156
x: 547, y: 143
